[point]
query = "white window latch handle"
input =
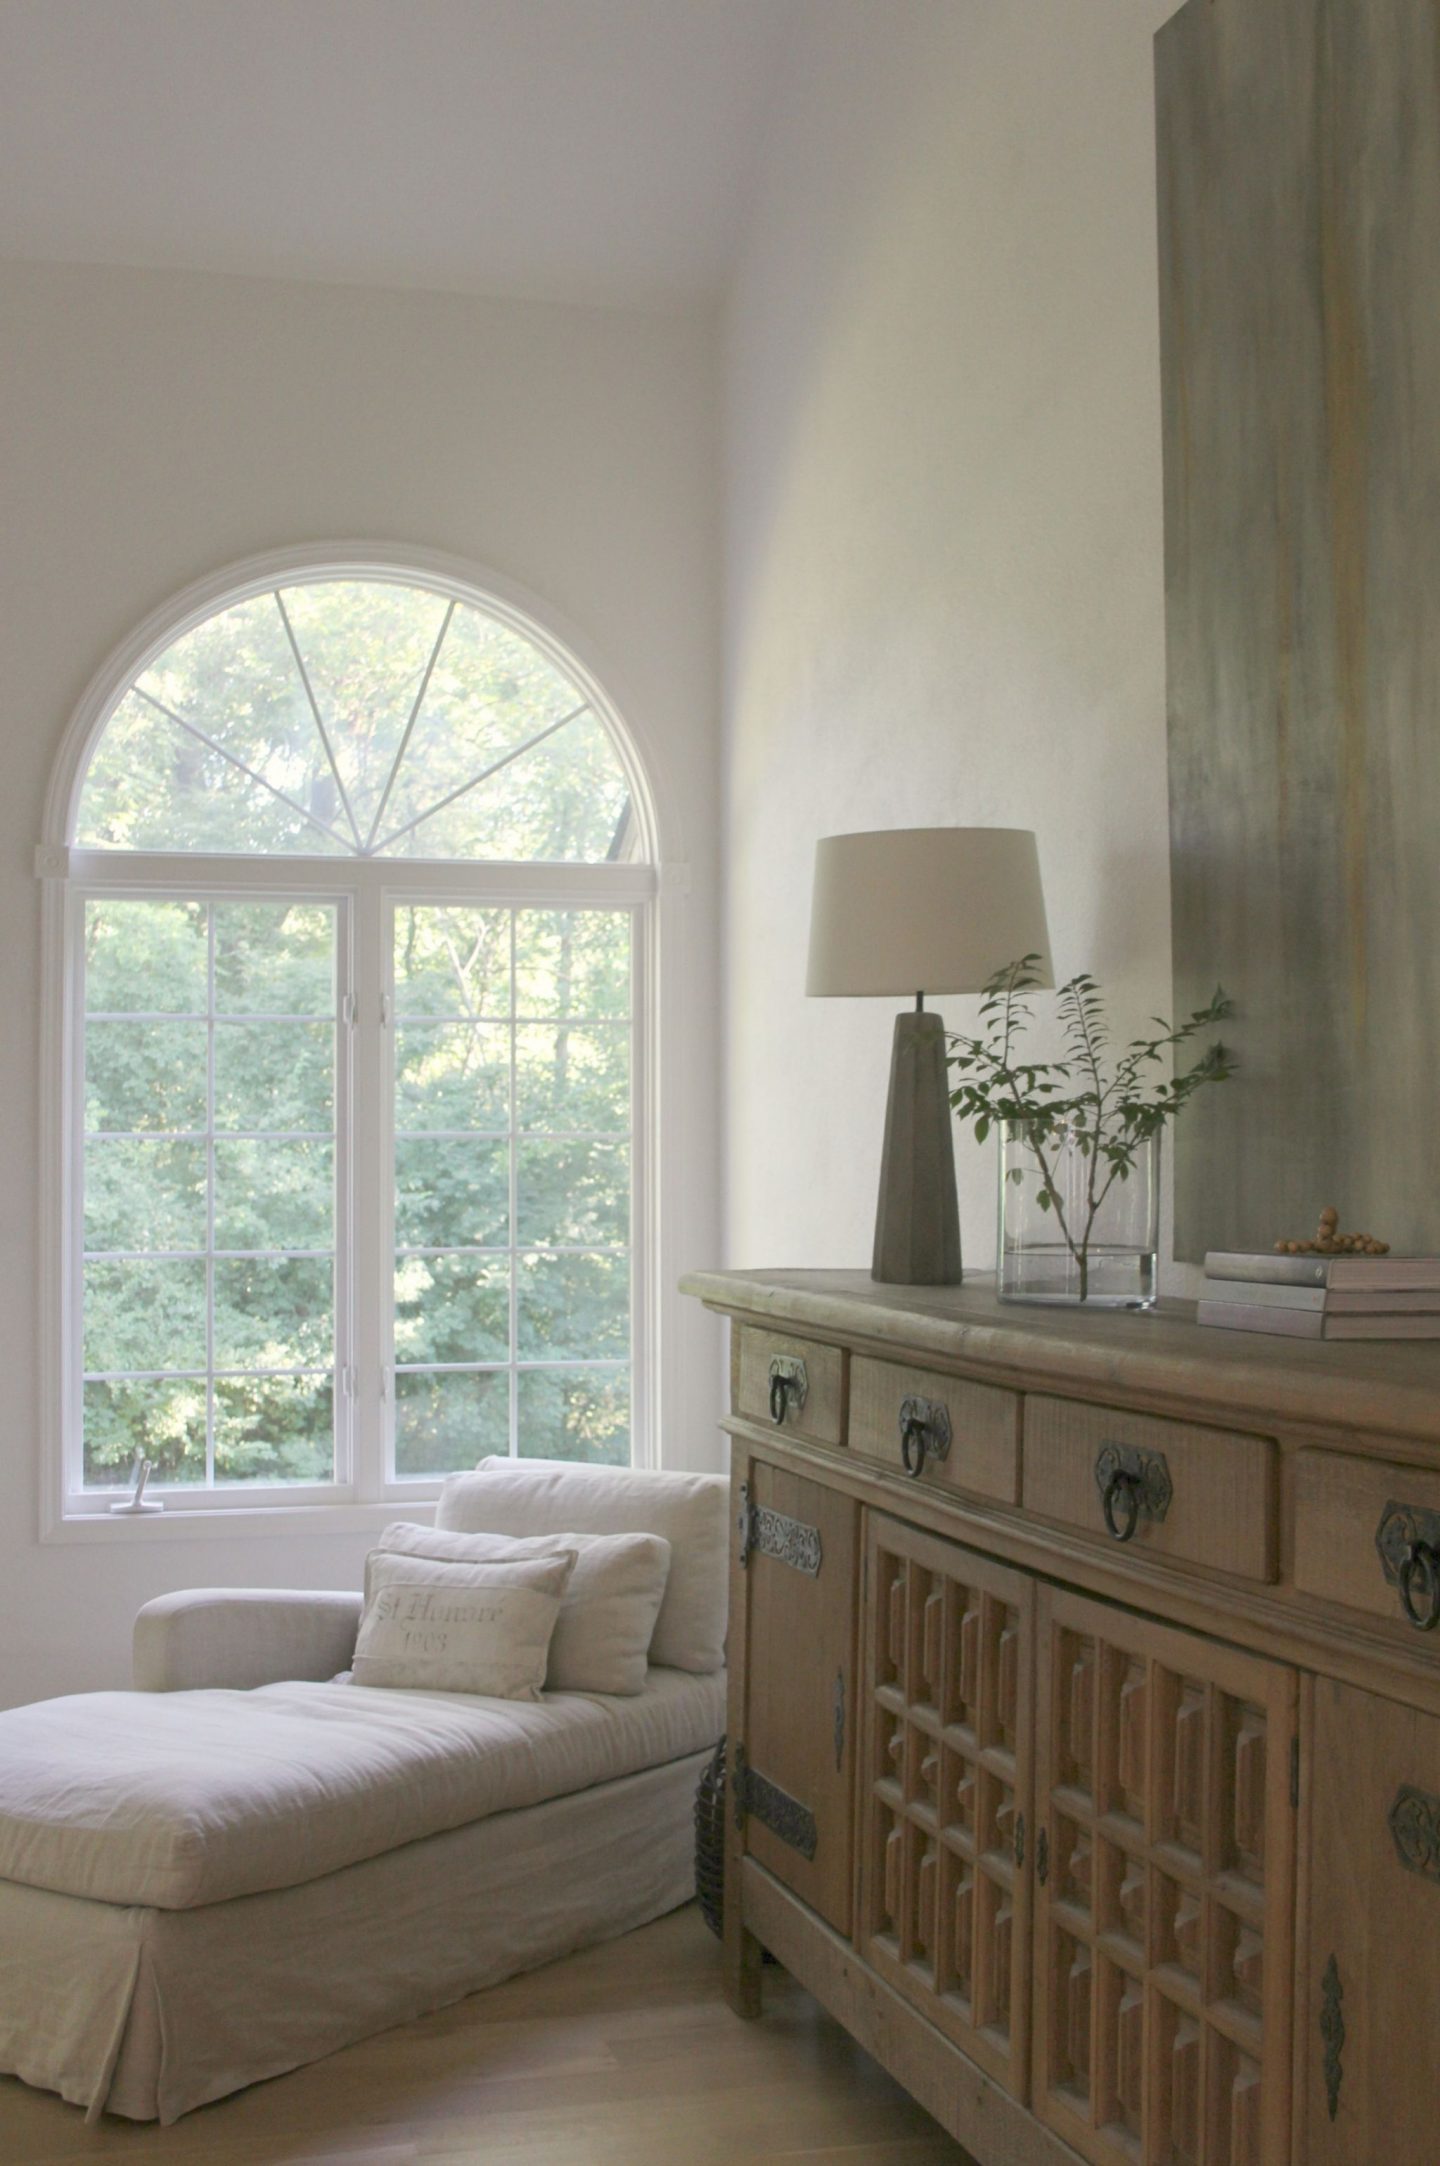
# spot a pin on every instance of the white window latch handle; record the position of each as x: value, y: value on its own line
x: 137, y: 1505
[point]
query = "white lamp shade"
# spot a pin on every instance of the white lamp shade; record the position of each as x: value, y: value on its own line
x: 925, y: 910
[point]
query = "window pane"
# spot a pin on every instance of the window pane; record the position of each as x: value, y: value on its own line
x: 145, y: 1075
x: 153, y: 786
x: 452, y: 1308
x: 572, y: 962
x: 144, y: 1316
x: 491, y: 691
x: 274, y: 1429
x: 570, y: 1077
x: 573, y: 1307
x: 162, y: 1417
x: 452, y: 1192
x: 150, y: 1316
x: 274, y: 1076
x: 452, y: 962
x: 452, y: 1076
x: 573, y: 1194
x: 144, y: 1193
x: 145, y: 957
x: 272, y: 1193
x: 275, y: 959
x: 365, y: 644
x: 575, y: 1414
x: 446, y: 1422
x: 567, y: 801
x: 273, y: 1313
x: 235, y: 678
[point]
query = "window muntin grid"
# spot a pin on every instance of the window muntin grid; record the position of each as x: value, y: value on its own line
x: 208, y: 1190
x: 513, y: 1098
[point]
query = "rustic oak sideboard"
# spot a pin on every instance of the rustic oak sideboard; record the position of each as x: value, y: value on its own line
x: 1085, y: 1717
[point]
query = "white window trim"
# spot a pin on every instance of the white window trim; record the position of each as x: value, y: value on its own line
x: 654, y: 891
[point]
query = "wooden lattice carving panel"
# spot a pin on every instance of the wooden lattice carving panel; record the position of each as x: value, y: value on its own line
x: 944, y: 1876
x: 1164, y: 1883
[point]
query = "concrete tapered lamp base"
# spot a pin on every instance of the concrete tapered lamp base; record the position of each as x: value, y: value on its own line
x: 917, y: 1223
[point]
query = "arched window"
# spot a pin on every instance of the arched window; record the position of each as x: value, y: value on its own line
x: 356, y: 902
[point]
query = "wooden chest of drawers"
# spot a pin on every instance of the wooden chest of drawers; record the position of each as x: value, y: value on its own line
x: 1085, y: 1717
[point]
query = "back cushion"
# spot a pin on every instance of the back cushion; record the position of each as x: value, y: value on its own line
x: 607, y: 1618
x: 559, y: 1496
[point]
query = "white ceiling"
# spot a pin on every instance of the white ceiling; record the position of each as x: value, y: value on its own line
x: 593, y: 150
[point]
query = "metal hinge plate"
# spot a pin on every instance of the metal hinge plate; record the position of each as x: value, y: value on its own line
x: 765, y: 1533
x: 756, y: 1796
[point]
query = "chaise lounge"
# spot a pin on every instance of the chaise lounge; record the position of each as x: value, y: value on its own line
x: 252, y: 1860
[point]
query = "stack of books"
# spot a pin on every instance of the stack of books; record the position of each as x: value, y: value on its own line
x: 1323, y: 1297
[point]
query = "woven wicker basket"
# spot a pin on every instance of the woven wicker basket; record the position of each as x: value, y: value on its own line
x: 710, y: 1841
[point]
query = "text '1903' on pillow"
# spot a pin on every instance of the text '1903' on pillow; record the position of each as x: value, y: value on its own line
x: 607, y: 1617
x: 483, y: 1628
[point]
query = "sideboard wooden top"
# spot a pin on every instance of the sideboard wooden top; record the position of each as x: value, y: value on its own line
x: 1327, y: 1388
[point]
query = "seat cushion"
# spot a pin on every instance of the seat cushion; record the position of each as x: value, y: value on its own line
x: 558, y: 1496
x: 182, y: 1798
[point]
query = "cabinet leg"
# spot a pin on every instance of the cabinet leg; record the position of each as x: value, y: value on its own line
x: 744, y: 1958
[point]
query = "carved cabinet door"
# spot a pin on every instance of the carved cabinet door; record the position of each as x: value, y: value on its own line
x: 1165, y: 1877
x: 945, y: 1866
x: 793, y: 1766
x: 1369, y: 1997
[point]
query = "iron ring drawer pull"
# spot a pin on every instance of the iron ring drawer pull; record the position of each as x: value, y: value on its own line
x: 1133, y: 1485
x: 925, y: 1433
x: 1120, y: 1502
x: 1420, y: 1567
x: 788, y: 1386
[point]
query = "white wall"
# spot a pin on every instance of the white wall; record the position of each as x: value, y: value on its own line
x: 943, y: 551
x: 155, y: 426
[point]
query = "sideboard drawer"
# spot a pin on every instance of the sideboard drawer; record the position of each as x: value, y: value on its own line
x: 1204, y: 1496
x: 960, y: 1435
x: 1362, y: 1526
x: 797, y: 1385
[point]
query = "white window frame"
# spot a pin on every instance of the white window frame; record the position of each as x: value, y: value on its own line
x: 364, y: 1492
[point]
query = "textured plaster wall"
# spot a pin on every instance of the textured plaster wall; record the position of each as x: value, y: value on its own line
x: 943, y: 546
x: 156, y: 426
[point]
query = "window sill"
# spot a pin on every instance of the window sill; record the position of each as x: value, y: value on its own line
x: 236, y: 1522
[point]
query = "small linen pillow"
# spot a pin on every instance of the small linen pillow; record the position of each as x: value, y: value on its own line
x: 607, y: 1618
x: 481, y: 1628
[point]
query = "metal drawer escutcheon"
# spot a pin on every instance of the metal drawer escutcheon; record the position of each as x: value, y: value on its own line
x: 1409, y: 1544
x: 788, y: 1386
x: 1414, y: 1822
x: 1133, y: 1485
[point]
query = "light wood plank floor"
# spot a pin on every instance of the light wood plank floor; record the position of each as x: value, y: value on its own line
x: 622, y: 2056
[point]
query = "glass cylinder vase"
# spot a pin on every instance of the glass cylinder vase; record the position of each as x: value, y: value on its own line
x: 1073, y: 1229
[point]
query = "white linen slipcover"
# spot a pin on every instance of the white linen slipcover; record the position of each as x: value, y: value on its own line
x: 175, y: 1800
x: 563, y: 1496
x: 150, y: 2013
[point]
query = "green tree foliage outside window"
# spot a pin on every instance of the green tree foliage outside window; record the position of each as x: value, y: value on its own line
x: 373, y: 718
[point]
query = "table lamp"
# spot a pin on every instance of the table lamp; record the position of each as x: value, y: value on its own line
x: 922, y: 910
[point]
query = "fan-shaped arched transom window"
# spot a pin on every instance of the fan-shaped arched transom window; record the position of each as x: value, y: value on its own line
x: 356, y: 923
x: 357, y: 717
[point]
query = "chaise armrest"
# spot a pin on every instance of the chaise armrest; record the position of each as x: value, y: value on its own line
x: 242, y: 1636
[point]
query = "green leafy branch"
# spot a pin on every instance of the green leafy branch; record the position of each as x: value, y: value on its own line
x: 1104, y: 1105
